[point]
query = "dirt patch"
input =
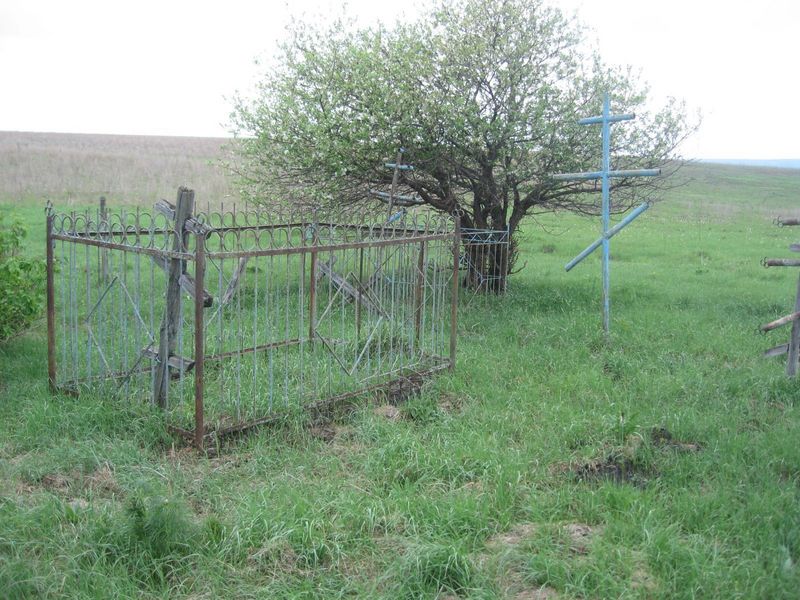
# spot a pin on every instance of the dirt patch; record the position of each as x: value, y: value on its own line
x: 581, y: 536
x: 473, y: 486
x: 79, y: 504
x: 57, y: 482
x: 615, y: 467
x: 663, y: 438
x: 102, y: 482
x: 641, y: 579
x: 541, y: 593
x: 326, y: 433
x: 280, y: 558
x: 514, y: 536
x: 182, y: 454
x: 340, y: 437
x: 388, y: 411
x: 450, y: 403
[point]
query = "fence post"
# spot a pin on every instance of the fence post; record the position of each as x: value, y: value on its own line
x: 312, y: 286
x: 360, y: 291
x: 171, y: 320
x: 199, y: 337
x: 103, y: 227
x: 419, y: 292
x: 454, y: 293
x: 794, y: 340
x: 51, y: 307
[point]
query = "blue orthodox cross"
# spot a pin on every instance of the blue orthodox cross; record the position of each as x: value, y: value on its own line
x: 605, y: 176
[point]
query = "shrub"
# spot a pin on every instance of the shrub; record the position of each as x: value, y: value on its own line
x: 22, y: 282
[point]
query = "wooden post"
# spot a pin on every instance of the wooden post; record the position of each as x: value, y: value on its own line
x: 170, y: 322
x: 419, y: 294
x: 199, y: 338
x: 454, y: 293
x: 51, y: 307
x: 794, y: 341
x: 103, y: 227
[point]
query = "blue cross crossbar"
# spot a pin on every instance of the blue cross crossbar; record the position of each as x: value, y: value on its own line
x: 401, y: 167
x: 608, y: 235
x: 607, y: 118
x: 599, y: 174
x: 605, y: 175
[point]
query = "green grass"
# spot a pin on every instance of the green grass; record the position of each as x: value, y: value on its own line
x: 488, y: 485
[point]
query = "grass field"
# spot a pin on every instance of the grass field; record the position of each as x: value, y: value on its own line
x: 552, y: 464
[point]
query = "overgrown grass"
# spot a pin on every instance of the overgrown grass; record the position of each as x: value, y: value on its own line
x: 543, y: 463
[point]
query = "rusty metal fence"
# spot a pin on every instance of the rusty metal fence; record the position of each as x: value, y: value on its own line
x: 228, y: 319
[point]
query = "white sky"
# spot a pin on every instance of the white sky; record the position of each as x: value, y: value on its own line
x: 169, y: 67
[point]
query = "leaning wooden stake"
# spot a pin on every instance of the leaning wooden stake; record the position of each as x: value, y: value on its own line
x: 794, y: 341
x: 171, y: 320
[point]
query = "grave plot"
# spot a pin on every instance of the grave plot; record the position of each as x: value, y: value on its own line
x: 227, y: 320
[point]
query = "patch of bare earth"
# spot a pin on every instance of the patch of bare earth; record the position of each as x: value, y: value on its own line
x: 388, y: 411
x: 100, y: 483
x: 542, y: 593
x: 513, y: 537
x: 450, y: 403
x: 275, y: 559
x: 581, y: 536
x: 663, y: 438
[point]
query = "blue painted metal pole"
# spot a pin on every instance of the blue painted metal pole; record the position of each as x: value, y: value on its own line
x: 599, y: 174
x: 606, y: 215
x: 611, y: 233
x: 396, y: 216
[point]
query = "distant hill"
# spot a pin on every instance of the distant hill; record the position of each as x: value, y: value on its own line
x: 77, y: 168
x: 778, y: 163
x: 132, y: 169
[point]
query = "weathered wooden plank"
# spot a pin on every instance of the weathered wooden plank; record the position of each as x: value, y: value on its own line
x: 175, y: 362
x: 187, y: 285
x: 194, y: 226
x: 234, y: 282
x: 186, y: 281
x: 165, y: 208
x: 794, y: 247
x: 780, y: 322
x: 781, y: 262
x: 348, y: 288
x: 398, y: 200
x: 776, y: 351
x: 170, y: 322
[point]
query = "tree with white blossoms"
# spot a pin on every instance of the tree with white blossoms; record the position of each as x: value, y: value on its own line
x: 483, y: 96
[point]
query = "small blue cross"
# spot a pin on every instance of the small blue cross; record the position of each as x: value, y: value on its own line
x: 605, y: 175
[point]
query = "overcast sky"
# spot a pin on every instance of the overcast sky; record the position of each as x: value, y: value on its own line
x: 170, y: 67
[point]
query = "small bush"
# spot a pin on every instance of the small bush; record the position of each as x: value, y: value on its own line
x: 22, y: 282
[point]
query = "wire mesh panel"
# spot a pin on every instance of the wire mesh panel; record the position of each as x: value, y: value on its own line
x: 485, y: 259
x: 272, y: 312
